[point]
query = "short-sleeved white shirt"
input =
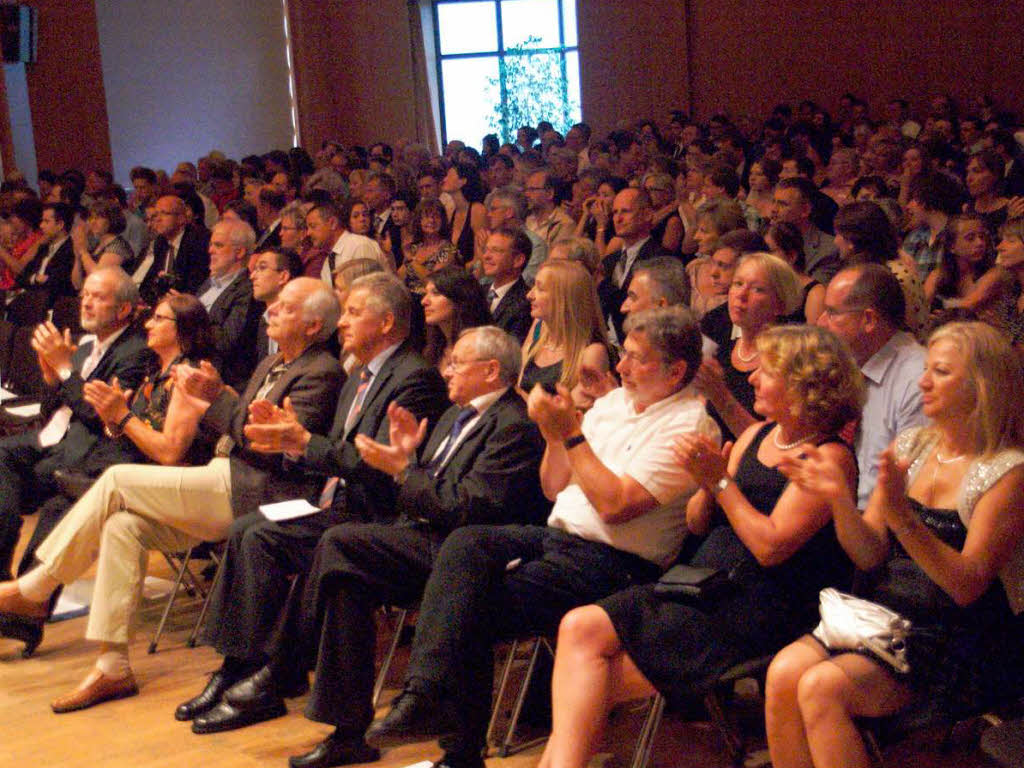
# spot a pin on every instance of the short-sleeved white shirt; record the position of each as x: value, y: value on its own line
x: 638, y: 445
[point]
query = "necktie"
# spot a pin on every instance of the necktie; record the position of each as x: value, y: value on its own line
x: 453, y: 435
x: 326, y: 500
x: 621, y: 269
x: 357, y: 402
x: 59, y: 422
x: 169, y: 264
x: 492, y: 298
x: 273, y: 375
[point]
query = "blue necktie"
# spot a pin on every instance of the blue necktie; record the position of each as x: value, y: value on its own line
x: 453, y: 434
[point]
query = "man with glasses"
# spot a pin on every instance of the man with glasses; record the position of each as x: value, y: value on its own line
x: 181, y: 260
x: 864, y: 306
x: 479, y: 466
x: 546, y: 218
x: 270, y: 271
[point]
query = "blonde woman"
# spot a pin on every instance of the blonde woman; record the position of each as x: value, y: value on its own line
x: 563, y: 302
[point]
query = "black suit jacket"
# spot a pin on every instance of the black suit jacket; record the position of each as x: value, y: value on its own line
x: 58, y: 271
x: 128, y: 359
x: 513, y: 311
x: 406, y: 379
x: 609, y: 293
x: 269, y: 239
x: 235, y: 317
x: 492, y: 476
x: 312, y: 383
x: 191, y: 264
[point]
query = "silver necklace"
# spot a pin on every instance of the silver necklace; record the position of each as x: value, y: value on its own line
x: 789, y: 446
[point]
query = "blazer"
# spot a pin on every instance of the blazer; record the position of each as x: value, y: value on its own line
x: 234, y: 318
x: 128, y: 359
x: 58, y: 271
x: 609, y: 293
x: 513, y: 311
x: 492, y: 476
x: 271, y: 238
x: 191, y: 264
x: 406, y: 379
x: 312, y: 381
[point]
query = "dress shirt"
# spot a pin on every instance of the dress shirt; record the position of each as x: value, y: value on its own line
x: 626, y: 261
x: 215, y: 286
x: 499, y: 293
x: 373, y: 367
x: 50, y: 252
x: 480, y: 405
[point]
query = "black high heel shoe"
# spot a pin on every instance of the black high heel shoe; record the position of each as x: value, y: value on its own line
x: 27, y: 630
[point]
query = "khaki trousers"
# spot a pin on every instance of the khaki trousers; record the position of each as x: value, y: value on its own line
x: 131, y: 509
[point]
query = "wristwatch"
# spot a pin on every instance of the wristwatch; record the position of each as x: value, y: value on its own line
x: 572, y: 442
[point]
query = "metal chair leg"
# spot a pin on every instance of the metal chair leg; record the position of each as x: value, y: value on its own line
x: 499, y: 697
x: 507, y: 747
x: 645, y: 741
x: 171, y: 598
x: 219, y: 561
x: 385, y: 667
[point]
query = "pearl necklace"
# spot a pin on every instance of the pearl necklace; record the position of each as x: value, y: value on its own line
x: 740, y: 354
x: 789, y: 446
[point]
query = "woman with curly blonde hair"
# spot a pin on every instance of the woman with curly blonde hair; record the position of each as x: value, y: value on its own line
x: 772, y: 543
x: 563, y: 301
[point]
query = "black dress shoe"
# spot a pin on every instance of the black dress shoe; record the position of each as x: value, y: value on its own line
x: 224, y: 717
x: 336, y: 751
x: 209, y: 698
x: 260, y: 687
x: 457, y: 761
x: 413, y: 717
x: 27, y: 630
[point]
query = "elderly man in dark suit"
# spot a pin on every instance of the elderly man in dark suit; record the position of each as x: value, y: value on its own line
x: 114, y: 349
x: 480, y: 465
x: 503, y: 259
x: 135, y: 507
x: 263, y: 555
x: 227, y: 295
x: 180, y: 257
x: 632, y: 214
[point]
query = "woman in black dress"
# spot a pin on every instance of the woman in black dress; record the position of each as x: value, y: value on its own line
x: 774, y: 539
x: 945, y: 530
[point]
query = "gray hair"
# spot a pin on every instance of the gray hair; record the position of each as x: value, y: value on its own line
x: 492, y: 343
x: 667, y: 278
x: 512, y: 196
x: 125, y: 289
x: 294, y: 211
x: 321, y: 304
x: 581, y: 249
x: 673, y: 332
x: 239, y: 233
x: 386, y: 293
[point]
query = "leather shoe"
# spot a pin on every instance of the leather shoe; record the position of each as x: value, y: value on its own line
x: 259, y: 688
x: 16, y: 604
x: 101, y: 689
x: 209, y: 698
x: 225, y: 717
x: 413, y: 717
x: 336, y: 751
x: 28, y: 631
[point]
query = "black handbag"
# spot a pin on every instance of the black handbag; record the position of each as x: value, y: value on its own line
x: 688, y: 584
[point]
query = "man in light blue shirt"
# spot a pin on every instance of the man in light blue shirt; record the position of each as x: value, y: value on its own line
x: 864, y: 306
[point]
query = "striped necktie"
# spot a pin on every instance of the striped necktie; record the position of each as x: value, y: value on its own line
x: 357, y: 402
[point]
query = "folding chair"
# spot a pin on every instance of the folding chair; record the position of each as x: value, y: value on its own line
x: 400, y: 617
x: 537, y: 645
x: 192, y: 584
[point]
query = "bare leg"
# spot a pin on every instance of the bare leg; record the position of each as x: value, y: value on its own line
x: 784, y: 724
x: 591, y: 673
x: 832, y: 693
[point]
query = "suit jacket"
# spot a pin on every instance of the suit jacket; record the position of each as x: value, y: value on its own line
x: 408, y: 380
x: 821, y: 255
x: 191, y: 264
x: 262, y: 340
x: 492, y: 475
x: 235, y: 317
x: 610, y: 294
x: 312, y: 382
x: 513, y: 311
x: 58, y: 271
x: 129, y: 359
x: 271, y: 238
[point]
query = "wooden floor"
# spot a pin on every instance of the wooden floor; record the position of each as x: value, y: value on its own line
x: 141, y: 732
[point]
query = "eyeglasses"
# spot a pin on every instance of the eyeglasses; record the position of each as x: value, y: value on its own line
x: 261, y: 267
x: 168, y: 318
x: 833, y: 312
x: 453, y: 363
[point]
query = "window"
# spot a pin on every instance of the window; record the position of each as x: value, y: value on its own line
x: 506, y: 63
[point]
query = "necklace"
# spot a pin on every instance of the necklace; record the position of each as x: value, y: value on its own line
x: 941, y: 460
x: 742, y: 357
x: 935, y: 472
x: 789, y: 446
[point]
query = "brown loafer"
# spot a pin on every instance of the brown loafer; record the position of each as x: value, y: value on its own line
x: 17, y: 604
x: 101, y: 689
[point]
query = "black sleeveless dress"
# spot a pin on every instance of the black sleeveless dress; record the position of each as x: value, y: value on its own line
x: 681, y: 648
x: 967, y: 657
x: 737, y: 382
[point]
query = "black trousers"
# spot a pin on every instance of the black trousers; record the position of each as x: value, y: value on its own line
x: 26, y: 480
x: 500, y: 582
x: 261, y: 560
x: 356, y: 568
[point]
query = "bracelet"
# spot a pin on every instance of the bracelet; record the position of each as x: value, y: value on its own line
x: 118, y: 429
x: 572, y: 442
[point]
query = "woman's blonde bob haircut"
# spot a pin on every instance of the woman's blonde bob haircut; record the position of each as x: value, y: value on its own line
x: 994, y: 373
x: 824, y: 386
